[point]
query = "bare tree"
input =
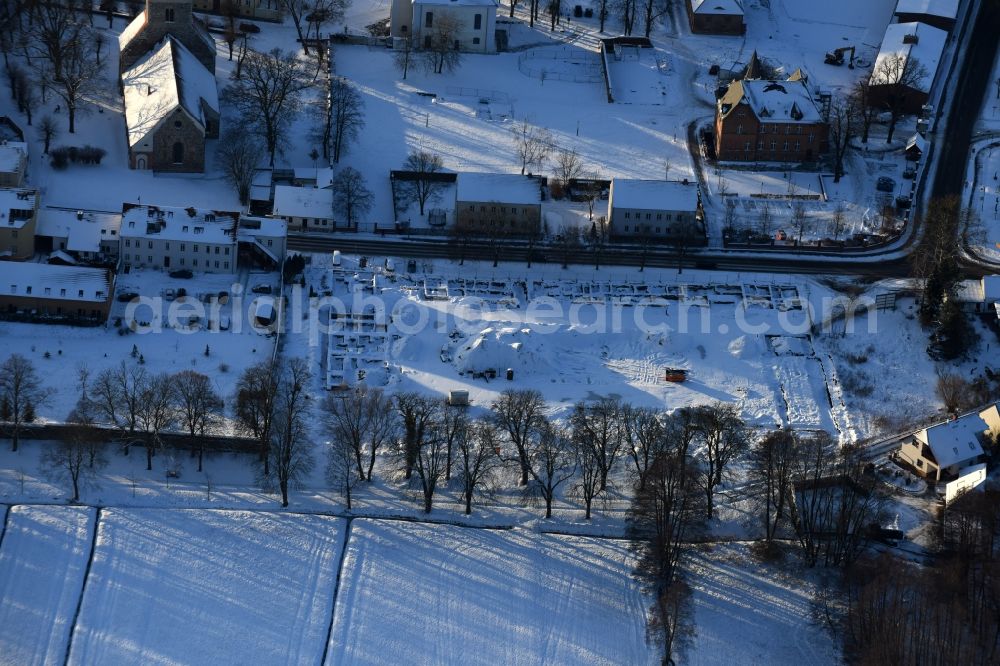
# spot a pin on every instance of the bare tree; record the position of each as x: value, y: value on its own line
x: 81, y: 75
x: 440, y: 54
x: 423, y: 186
x: 602, y: 13
x: 644, y: 432
x: 383, y: 426
x: 478, y: 459
x: 240, y: 153
x: 532, y: 144
x: 351, y: 197
x: 951, y: 389
x: 199, y: 407
x: 157, y: 412
x: 268, y: 95
x: 403, y: 55
x: 898, y: 75
x: 551, y: 463
x: 588, y: 470
x: 73, y: 460
x: 800, y: 221
x: 49, y: 130
x: 289, y: 453
x: 839, y: 219
x: 520, y: 414
x: 21, y: 392
x: 626, y: 11
x: 420, y: 416
x: 347, y: 112
x: 843, y: 122
x: 723, y: 437
x: 599, y: 426
x: 297, y: 11
x: 346, y: 417
x: 116, y: 397
x: 862, y: 98
x: 771, y: 465
x: 455, y: 425
x: 567, y: 166
x: 341, y: 472
x: 253, y: 407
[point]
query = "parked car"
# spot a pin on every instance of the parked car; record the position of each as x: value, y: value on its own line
x: 127, y: 296
x: 261, y: 289
x: 252, y: 28
x: 182, y: 274
x: 169, y: 294
x: 885, y: 184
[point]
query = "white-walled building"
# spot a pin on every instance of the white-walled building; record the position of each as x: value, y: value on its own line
x: 178, y: 238
x: 415, y: 19
x: 87, y: 235
x: 655, y: 209
x: 13, y: 163
x: 262, y: 240
x: 305, y: 208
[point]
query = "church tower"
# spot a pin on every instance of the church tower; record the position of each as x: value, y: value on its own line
x: 162, y: 18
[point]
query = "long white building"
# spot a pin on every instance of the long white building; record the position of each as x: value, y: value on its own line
x: 178, y: 238
x: 419, y: 19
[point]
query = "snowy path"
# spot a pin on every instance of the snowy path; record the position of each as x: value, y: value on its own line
x: 456, y: 595
x: 227, y: 586
x: 42, y: 563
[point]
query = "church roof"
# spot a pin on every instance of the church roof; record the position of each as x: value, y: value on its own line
x: 168, y: 77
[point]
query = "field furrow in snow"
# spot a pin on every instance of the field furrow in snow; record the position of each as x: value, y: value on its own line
x: 804, y: 388
x: 438, y: 594
x: 212, y: 587
x: 42, y: 564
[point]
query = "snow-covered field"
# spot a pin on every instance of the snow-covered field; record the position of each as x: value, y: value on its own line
x: 42, y: 562
x: 751, y: 613
x: 464, y: 596
x: 212, y: 587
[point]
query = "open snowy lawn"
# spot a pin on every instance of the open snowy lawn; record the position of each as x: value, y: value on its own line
x: 212, y: 587
x: 748, y: 613
x: 42, y: 563
x: 414, y: 593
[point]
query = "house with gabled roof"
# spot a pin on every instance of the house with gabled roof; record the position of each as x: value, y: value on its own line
x: 716, y: 17
x: 941, y: 451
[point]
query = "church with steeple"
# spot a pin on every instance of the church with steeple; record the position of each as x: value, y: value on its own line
x: 167, y: 69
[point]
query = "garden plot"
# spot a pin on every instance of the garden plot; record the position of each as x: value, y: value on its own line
x: 454, y: 595
x: 639, y: 75
x: 749, y: 613
x: 228, y: 587
x: 42, y: 564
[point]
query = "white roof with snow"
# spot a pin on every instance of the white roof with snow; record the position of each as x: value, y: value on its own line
x: 15, y: 199
x: 653, y: 195
x: 82, y: 235
x: 717, y: 6
x: 918, y: 41
x: 164, y: 79
x: 991, y: 287
x: 955, y: 442
x: 71, y: 283
x: 12, y: 155
x: 500, y: 187
x: 270, y: 227
x: 323, y: 177
x: 309, y: 202
x: 942, y: 8
x: 178, y: 224
x: 786, y: 102
x: 131, y: 30
x: 917, y: 141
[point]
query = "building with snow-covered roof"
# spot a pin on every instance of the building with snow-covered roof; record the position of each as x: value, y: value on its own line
x: 178, y: 238
x: 420, y: 20
x: 655, y: 209
x: 938, y: 13
x: 84, y: 235
x: 265, y: 10
x: 262, y: 241
x: 159, y: 19
x: 13, y: 163
x: 510, y: 203
x: 305, y: 208
x: 769, y: 121
x: 941, y: 451
x: 171, y: 107
x: 716, y: 17
x: 18, y: 216
x: 321, y: 177
x: 45, y: 291
x: 904, y: 47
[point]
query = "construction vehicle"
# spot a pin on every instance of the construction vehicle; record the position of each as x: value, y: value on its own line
x: 836, y: 57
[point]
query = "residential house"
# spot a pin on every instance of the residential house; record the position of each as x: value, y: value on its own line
x: 18, y: 216
x: 305, y: 208
x: 716, y: 17
x: 43, y: 291
x: 655, y: 210
x: 85, y: 236
x: 178, y: 238
x: 938, y: 13
x: 13, y: 163
x: 171, y: 108
x: 769, y: 121
x: 262, y: 241
x: 914, y: 43
x: 979, y: 296
x: 498, y: 202
x: 942, y: 451
x: 418, y: 20
x: 263, y: 10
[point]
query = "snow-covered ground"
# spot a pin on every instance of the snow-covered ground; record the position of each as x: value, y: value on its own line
x: 170, y: 586
x: 751, y: 613
x: 43, y: 559
x: 465, y: 596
